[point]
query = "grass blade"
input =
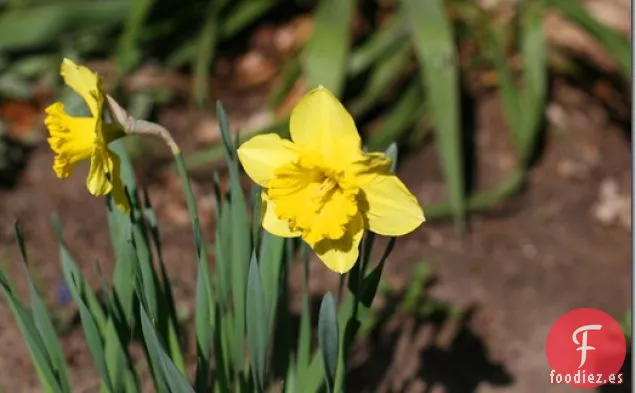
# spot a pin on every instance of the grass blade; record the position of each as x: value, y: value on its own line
x: 325, y: 56
x: 433, y: 39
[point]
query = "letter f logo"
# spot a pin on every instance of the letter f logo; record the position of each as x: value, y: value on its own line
x: 584, y: 347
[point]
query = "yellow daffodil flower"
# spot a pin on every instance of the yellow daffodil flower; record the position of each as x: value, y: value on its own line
x: 323, y: 187
x: 74, y: 139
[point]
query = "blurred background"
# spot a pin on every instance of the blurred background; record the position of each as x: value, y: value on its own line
x: 513, y: 122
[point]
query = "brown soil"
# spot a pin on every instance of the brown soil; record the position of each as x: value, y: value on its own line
x: 540, y: 254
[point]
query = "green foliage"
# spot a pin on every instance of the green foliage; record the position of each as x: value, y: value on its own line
x: 241, y: 307
x: 626, y: 324
x: 401, y: 77
x: 404, y: 78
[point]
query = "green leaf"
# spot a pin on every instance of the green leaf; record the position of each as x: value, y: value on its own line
x: 304, y: 337
x: 128, y: 52
x: 43, y: 324
x: 244, y: 14
x: 34, y: 342
x: 80, y: 288
x: 126, y: 262
x: 118, y: 363
x: 328, y: 338
x: 292, y: 70
x: 416, y: 286
x: 371, y: 282
x: 168, y: 370
x: 256, y: 202
x: 325, y: 56
x: 271, y: 265
x: 534, y: 58
x: 382, y: 42
x: 28, y: 27
x: 618, y: 46
x: 223, y: 248
x: 149, y: 290
x: 205, y: 55
x: 392, y: 153
x: 404, y: 114
x: 167, y: 307
x: 384, y: 74
x: 482, y: 200
x: 507, y: 89
x: 205, y: 296
x: 94, y: 340
x: 433, y: 39
x: 290, y: 384
x: 216, y: 152
x: 258, y: 324
x: 240, y: 240
x: 203, y: 328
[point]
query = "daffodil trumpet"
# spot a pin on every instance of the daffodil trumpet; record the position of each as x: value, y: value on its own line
x: 321, y: 186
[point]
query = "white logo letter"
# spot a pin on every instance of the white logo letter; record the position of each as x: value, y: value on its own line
x: 584, y: 347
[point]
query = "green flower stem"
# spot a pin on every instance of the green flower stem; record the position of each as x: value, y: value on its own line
x: 205, y: 304
x: 348, y: 332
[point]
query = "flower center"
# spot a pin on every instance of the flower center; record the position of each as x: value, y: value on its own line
x: 313, y: 200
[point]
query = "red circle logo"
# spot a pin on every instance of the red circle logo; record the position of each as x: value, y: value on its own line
x: 586, y: 348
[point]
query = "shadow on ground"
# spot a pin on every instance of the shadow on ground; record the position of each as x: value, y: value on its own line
x: 433, y: 346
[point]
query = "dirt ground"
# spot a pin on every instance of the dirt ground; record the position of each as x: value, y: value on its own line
x: 561, y: 243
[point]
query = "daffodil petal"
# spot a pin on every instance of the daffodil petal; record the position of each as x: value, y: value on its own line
x: 86, y: 83
x: 392, y: 209
x: 340, y: 255
x: 97, y: 182
x: 367, y: 167
x: 263, y: 154
x: 324, y: 130
x: 118, y: 192
x: 271, y: 222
